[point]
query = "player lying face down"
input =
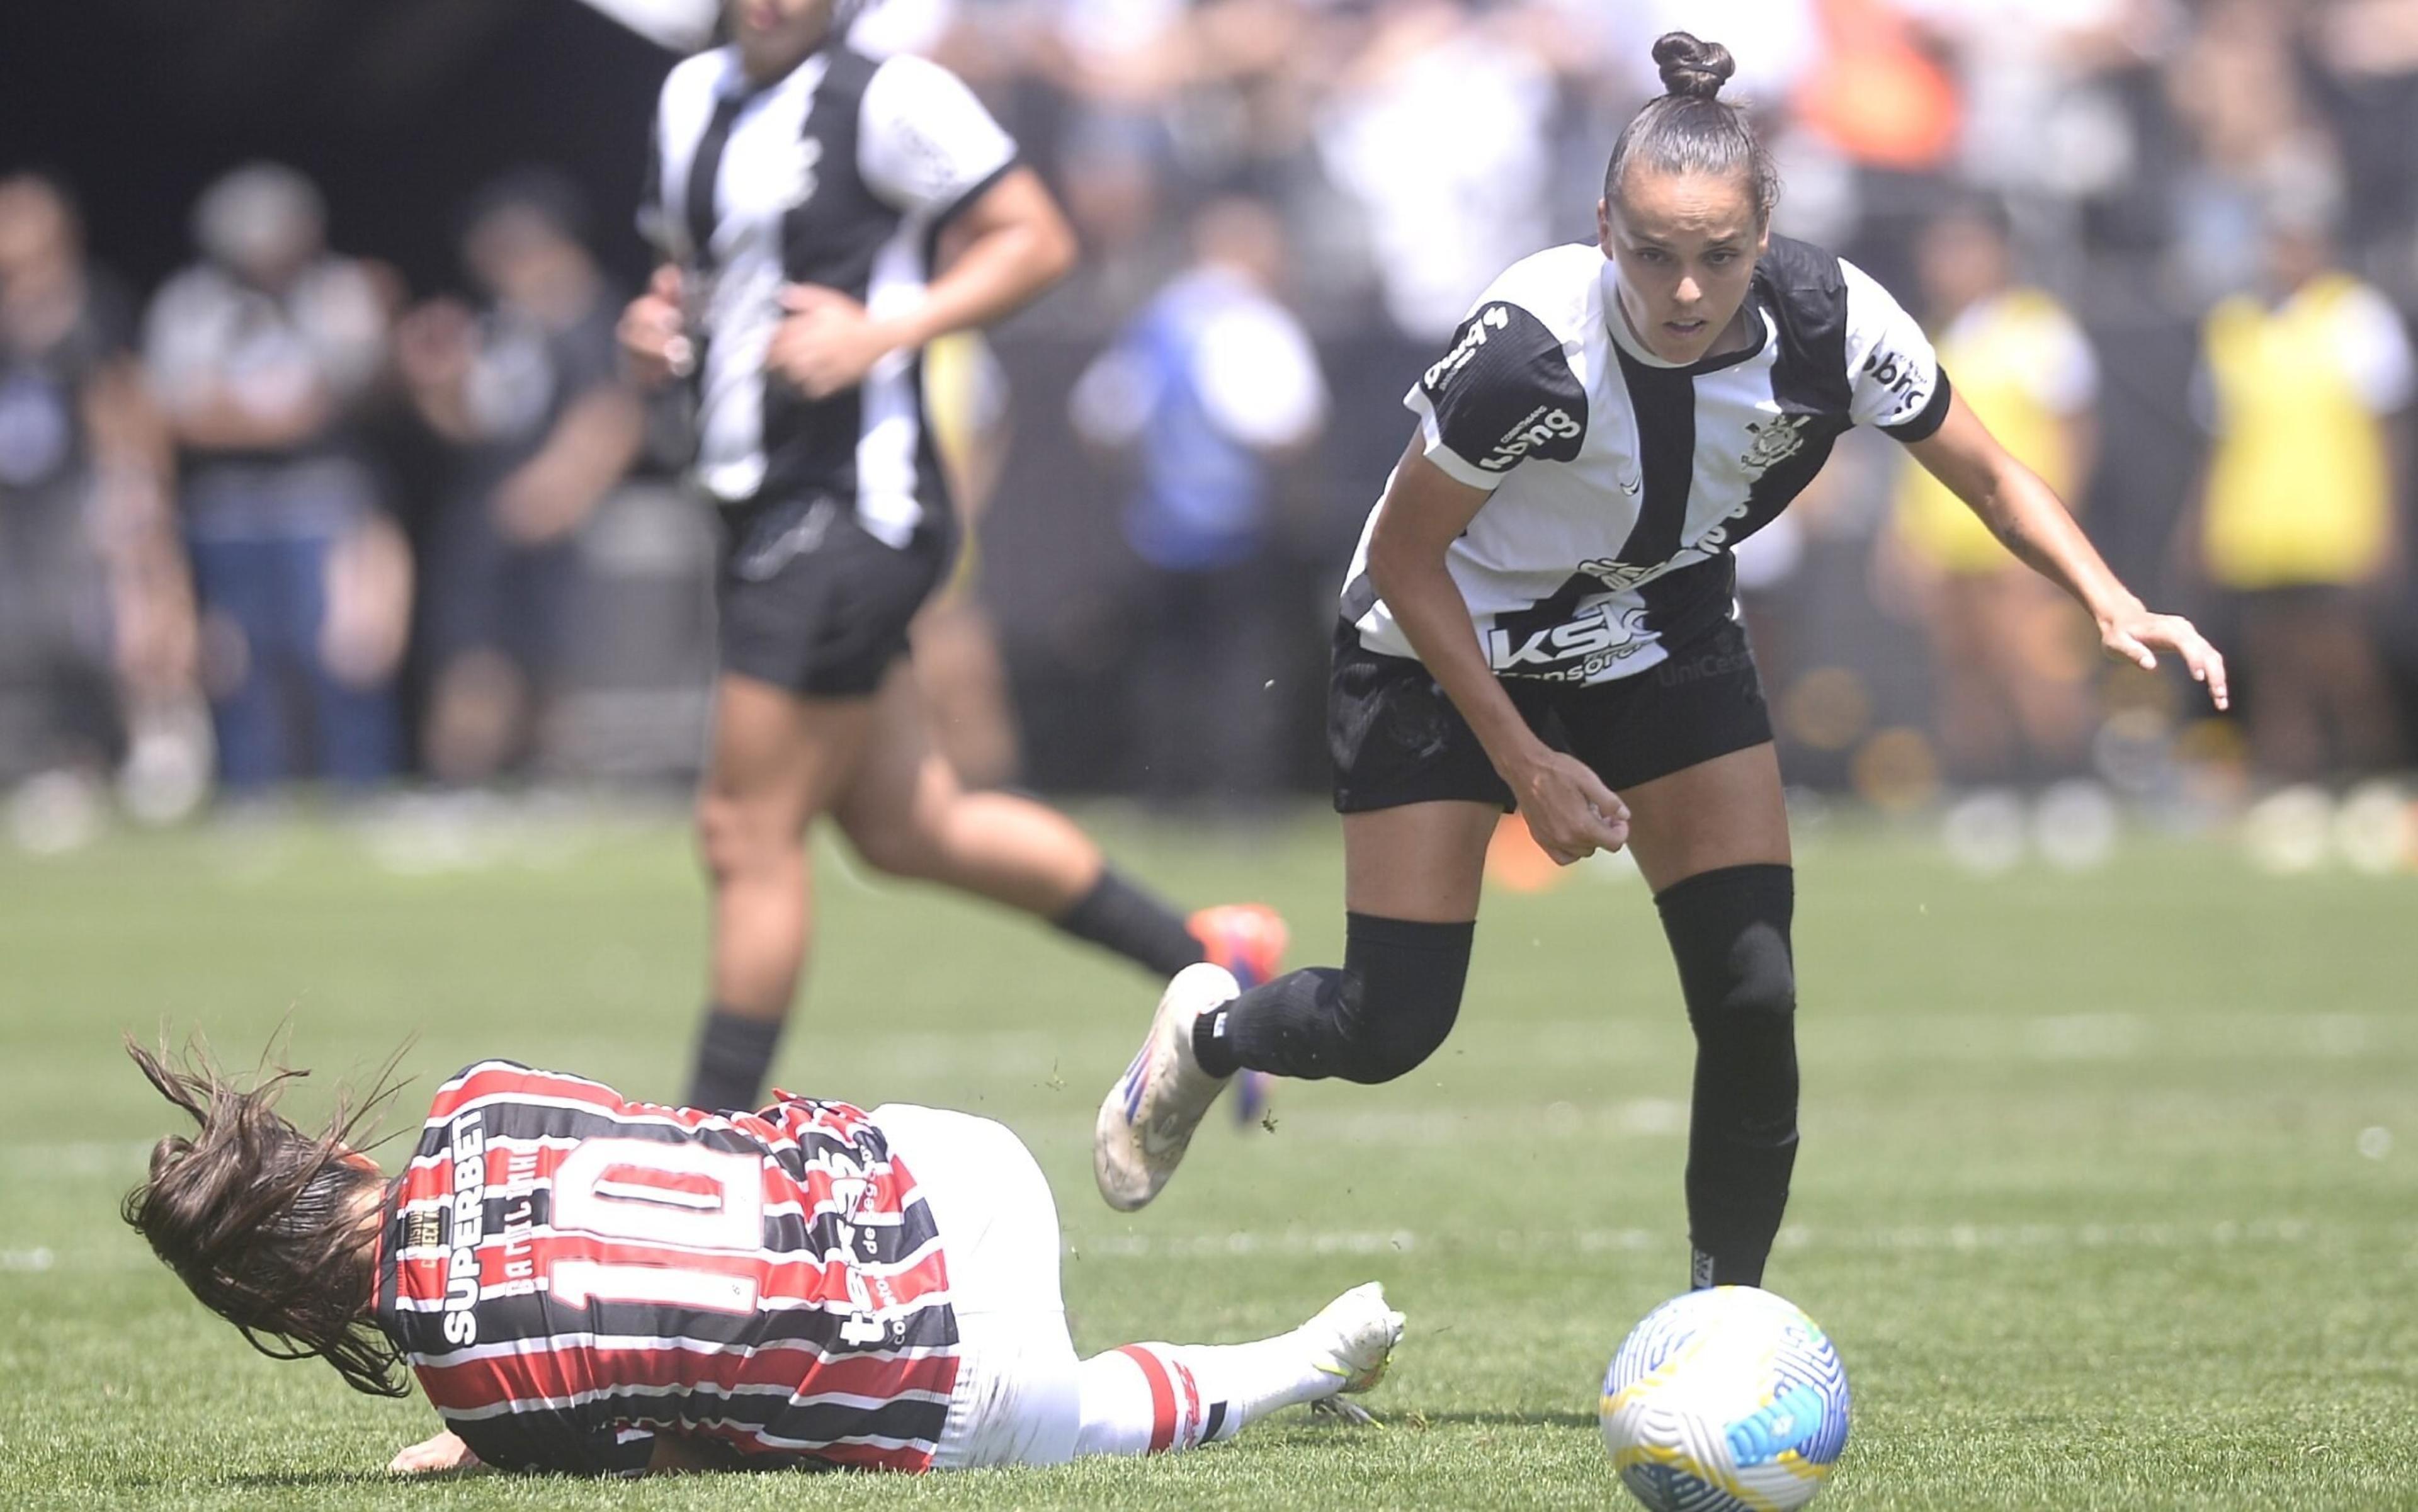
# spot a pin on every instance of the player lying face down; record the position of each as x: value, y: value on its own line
x: 591, y: 1286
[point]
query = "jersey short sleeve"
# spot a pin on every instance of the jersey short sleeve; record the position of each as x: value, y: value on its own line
x: 2375, y: 348
x: 1502, y: 394
x: 927, y: 145
x: 1896, y: 384
x: 2065, y: 378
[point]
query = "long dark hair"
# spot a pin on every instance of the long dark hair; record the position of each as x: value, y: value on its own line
x: 1690, y: 130
x: 264, y: 1222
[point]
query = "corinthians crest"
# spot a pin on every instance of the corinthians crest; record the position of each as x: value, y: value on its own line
x: 1773, y: 442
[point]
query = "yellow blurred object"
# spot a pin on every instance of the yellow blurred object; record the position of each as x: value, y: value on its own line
x: 1827, y: 708
x: 2299, y: 490
x: 1999, y: 354
x: 1896, y: 770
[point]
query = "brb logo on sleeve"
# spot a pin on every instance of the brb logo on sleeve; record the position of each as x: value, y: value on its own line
x: 1472, y: 337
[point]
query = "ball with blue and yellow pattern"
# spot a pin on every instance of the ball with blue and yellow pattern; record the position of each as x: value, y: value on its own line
x: 1727, y: 1400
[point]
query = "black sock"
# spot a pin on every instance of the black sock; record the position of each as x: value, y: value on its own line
x: 1729, y: 933
x: 1137, y: 927
x: 1386, y: 1010
x: 734, y: 1052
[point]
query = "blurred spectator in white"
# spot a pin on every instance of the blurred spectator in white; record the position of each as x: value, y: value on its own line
x: 2309, y: 380
x: 1211, y: 383
x: 258, y: 355
x: 2045, y: 125
x: 527, y: 395
x: 95, y: 609
x: 2236, y: 88
x: 1438, y: 129
x: 2009, y: 659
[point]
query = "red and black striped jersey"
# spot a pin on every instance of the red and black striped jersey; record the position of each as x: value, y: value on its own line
x: 569, y: 1272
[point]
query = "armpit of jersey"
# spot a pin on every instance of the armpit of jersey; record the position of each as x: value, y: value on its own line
x: 1898, y: 389
x: 1502, y: 394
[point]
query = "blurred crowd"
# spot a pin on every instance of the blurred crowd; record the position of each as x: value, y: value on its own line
x: 288, y: 519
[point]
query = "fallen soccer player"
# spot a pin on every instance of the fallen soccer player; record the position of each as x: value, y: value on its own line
x: 591, y: 1286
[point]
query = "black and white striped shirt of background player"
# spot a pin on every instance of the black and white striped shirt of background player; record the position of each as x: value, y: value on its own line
x: 842, y: 173
x: 1620, y: 482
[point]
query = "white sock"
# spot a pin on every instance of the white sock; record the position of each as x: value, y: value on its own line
x: 1149, y: 1398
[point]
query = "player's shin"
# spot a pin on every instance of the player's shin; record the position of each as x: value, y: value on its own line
x: 1151, y: 1399
x: 1729, y: 933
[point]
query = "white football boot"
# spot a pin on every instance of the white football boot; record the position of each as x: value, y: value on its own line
x: 1149, y: 1115
x: 1352, y: 1337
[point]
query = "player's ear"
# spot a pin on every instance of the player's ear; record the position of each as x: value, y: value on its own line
x: 1603, y: 226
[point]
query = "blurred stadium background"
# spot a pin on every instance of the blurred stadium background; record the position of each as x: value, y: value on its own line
x: 458, y: 180
x: 371, y: 716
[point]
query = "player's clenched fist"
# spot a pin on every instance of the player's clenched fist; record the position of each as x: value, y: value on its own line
x: 654, y: 332
x: 826, y: 342
x: 1570, y: 811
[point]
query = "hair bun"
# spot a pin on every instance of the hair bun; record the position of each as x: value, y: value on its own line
x: 1691, y: 68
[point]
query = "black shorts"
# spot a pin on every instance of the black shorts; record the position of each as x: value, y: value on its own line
x: 812, y: 602
x: 1397, y: 739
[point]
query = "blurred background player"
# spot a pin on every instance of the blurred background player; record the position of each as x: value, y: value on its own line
x: 2309, y: 379
x: 1205, y: 389
x: 2009, y: 657
x: 96, y: 609
x: 529, y: 396
x: 810, y: 1285
x: 260, y: 355
x: 800, y: 187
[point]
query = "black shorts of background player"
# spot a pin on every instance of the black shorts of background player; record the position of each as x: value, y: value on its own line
x: 798, y: 190
x: 1611, y: 417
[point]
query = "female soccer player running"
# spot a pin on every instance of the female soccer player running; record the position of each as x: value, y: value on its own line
x: 1540, y: 614
x: 805, y: 196
x: 598, y: 1287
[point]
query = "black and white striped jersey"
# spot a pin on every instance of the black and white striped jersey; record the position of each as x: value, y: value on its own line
x: 842, y: 174
x: 1620, y: 482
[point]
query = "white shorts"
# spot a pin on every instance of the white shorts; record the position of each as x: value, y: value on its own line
x: 1016, y: 1402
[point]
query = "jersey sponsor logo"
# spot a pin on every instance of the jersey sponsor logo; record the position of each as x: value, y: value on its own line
x: 1619, y: 576
x: 1773, y: 442
x: 469, y: 1221
x: 1542, y: 424
x: 1596, y: 641
x: 1473, y: 336
x: 1904, y: 379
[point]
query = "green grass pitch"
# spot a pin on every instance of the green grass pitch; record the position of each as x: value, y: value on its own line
x: 2093, y: 1196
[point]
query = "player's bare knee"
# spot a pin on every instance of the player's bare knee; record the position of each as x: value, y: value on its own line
x: 896, y: 847
x: 733, y: 842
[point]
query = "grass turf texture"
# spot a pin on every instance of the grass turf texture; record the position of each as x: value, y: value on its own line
x: 2083, y: 1197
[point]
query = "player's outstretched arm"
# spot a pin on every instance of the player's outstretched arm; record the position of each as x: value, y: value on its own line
x: 2027, y: 516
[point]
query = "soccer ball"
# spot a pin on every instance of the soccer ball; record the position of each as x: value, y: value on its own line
x: 1726, y: 1400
